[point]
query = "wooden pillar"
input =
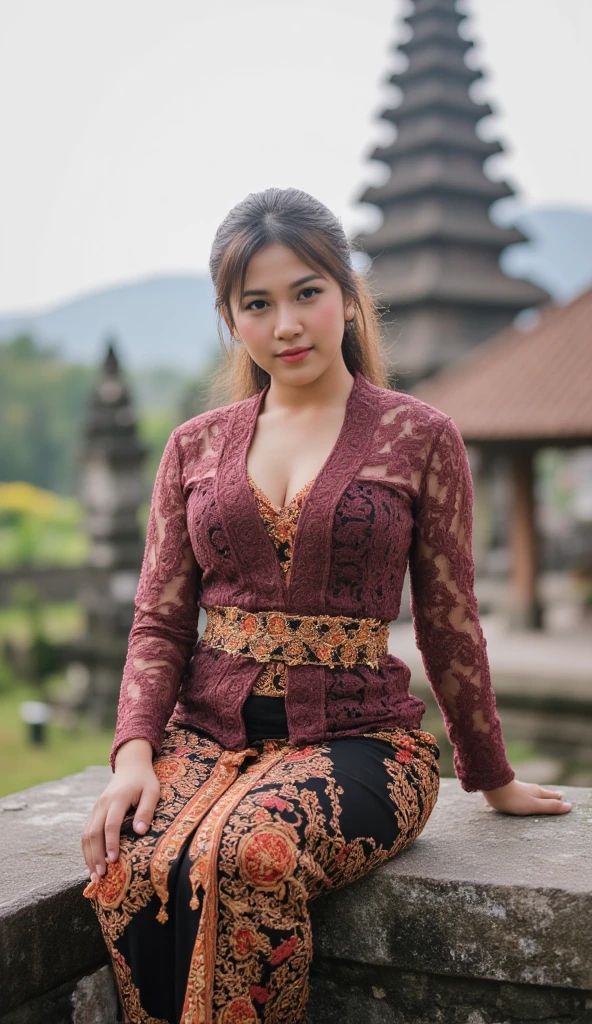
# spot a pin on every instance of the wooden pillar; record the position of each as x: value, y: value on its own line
x: 526, y: 608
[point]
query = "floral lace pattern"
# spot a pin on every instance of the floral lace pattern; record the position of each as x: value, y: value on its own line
x: 297, y: 639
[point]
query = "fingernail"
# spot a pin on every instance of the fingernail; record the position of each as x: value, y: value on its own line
x: 141, y: 825
x: 565, y: 804
x: 100, y: 869
x: 93, y: 877
x: 112, y: 856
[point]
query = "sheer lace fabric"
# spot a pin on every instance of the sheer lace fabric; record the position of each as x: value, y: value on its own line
x: 164, y: 629
x: 444, y: 605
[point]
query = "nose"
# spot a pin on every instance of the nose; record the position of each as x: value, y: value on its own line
x: 287, y: 324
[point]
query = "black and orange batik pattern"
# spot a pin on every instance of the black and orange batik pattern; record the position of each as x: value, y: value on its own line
x: 206, y: 917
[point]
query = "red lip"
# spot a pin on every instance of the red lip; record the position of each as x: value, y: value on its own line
x: 294, y: 351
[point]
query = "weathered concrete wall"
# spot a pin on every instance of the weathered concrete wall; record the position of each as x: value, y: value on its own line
x: 379, y: 995
x: 487, y: 919
x: 91, y: 999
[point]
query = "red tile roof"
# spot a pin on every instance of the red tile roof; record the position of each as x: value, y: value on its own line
x: 534, y: 384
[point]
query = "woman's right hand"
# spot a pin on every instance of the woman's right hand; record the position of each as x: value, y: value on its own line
x: 134, y: 784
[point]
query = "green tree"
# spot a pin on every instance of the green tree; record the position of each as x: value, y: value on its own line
x: 42, y: 403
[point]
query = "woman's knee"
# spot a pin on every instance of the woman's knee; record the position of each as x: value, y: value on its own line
x: 257, y: 848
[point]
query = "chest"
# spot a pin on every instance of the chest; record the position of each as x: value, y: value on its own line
x: 353, y: 550
x: 285, y: 455
x: 352, y: 533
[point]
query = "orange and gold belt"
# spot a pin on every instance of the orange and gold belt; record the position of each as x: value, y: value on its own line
x: 296, y: 639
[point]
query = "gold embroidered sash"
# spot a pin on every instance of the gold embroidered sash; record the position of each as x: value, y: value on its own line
x: 297, y: 639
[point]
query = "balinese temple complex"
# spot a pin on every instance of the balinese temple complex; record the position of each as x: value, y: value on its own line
x: 436, y: 254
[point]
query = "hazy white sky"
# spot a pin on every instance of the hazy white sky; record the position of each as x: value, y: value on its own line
x: 130, y: 127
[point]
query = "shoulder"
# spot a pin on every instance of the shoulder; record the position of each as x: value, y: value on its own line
x: 205, y: 432
x: 220, y: 415
x: 419, y: 417
x: 418, y: 436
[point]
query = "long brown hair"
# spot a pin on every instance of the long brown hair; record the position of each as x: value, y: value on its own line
x: 304, y: 224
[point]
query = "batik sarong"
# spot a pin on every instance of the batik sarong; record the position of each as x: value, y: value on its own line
x: 206, y: 917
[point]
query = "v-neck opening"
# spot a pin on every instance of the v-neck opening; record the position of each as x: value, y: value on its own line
x: 250, y: 538
x: 289, y: 504
x: 316, y: 479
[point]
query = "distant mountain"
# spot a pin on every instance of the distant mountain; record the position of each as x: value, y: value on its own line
x: 169, y: 321
x: 158, y: 321
x: 558, y: 256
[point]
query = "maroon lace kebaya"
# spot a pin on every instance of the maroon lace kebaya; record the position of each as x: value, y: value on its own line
x: 395, y: 492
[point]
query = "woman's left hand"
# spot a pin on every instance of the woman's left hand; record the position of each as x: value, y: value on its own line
x: 526, y: 798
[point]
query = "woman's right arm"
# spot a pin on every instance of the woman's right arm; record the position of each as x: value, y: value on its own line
x: 160, y: 645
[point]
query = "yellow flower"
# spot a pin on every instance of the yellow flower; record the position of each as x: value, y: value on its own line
x: 18, y: 496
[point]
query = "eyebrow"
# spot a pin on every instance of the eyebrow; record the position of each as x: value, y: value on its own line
x: 296, y: 284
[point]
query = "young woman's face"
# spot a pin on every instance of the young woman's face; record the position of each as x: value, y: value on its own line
x: 287, y: 305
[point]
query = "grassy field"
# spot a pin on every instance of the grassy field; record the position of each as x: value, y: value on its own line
x: 66, y: 751
x: 23, y: 765
x: 59, y: 622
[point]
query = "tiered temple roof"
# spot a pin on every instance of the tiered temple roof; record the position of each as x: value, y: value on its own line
x: 524, y: 386
x: 436, y: 254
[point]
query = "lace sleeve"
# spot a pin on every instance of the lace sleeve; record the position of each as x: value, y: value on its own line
x: 164, y: 630
x: 446, y: 616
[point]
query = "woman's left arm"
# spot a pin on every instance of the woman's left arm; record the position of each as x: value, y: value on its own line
x: 449, y: 633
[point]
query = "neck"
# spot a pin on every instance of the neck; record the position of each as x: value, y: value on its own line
x: 332, y: 388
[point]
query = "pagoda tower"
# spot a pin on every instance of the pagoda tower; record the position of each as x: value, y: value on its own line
x: 436, y: 255
x: 111, y: 489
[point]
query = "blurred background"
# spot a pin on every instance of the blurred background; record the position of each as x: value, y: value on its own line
x: 451, y: 140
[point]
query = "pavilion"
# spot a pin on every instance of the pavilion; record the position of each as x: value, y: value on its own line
x: 514, y: 394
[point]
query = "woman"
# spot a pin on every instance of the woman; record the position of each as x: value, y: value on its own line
x: 281, y: 755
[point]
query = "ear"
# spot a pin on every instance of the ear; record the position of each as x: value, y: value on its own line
x: 226, y: 319
x: 350, y: 309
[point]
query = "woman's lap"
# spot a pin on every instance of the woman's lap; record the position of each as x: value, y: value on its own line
x: 319, y: 819
x: 269, y: 833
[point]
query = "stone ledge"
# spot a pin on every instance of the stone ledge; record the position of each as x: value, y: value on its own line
x: 480, y: 895
x: 48, y: 931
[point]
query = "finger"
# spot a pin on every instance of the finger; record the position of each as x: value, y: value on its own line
x: 115, y: 816
x: 87, y: 845
x: 97, y: 837
x: 551, y: 806
x: 146, y: 807
x: 86, y: 850
x: 549, y: 793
